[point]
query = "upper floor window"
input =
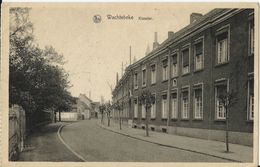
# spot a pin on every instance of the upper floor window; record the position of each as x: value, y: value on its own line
x: 222, y: 48
x: 220, y: 91
x: 144, y: 77
x: 198, y: 50
x: 165, y: 69
x: 251, y: 38
x: 250, y: 97
x: 136, y: 80
x: 185, y: 61
x: 153, y: 74
x: 174, y: 65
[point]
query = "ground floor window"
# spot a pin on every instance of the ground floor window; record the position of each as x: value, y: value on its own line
x: 153, y: 110
x: 220, y: 90
x: 185, y: 104
x: 174, y: 105
x: 135, y: 108
x: 143, y: 111
x: 198, y: 109
x: 164, y: 106
x: 250, y: 97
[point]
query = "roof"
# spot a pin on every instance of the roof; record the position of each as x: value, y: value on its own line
x: 213, y: 14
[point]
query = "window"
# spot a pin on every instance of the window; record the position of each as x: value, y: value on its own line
x: 222, y: 48
x: 153, y: 74
x: 185, y: 104
x: 153, y: 110
x: 198, y: 56
x: 220, y: 110
x: 174, y: 105
x: 174, y: 65
x: 135, y: 108
x: 198, y: 110
x: 250, y: 108
x: 136, y: 80
x: 164, y: 107
x: 185, y: 61
x: 144, y: 77
x: 251, y: 38
x: 165, y: 70
x: 143, y: 111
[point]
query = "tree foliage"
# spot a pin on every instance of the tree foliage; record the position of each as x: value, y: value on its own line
x: 37, y: 80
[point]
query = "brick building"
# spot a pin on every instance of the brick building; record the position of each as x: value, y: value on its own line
x: 188, y: 71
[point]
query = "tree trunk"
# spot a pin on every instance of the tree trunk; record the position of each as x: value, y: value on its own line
x: 108, y: 119
x: 59, y: 116
x: 55, y: 120
x: 102, y: 118
x: 146, y: 122
x: 227, y: 143
x: 120, y: 120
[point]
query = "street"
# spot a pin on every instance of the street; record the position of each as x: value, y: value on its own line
x: 96, y: 144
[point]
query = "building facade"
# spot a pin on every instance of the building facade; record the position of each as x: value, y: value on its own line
x: 187, y: 73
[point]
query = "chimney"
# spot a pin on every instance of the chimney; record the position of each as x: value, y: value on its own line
x: 194, y: 17
x: 170, y: 34
x: 117, y: 78
x: 155, y: 43
x: 130, y: 55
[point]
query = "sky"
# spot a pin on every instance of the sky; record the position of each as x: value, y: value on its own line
x: 94, y: 52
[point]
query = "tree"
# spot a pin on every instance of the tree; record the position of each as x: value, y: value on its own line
x: 147, y: 99
x: 108, y: 111
x: 37, y: 80
x: 118, y: 107
x: 227, y: 100
x: 102, y: 109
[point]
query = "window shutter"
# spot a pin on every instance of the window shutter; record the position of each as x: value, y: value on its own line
x: 185, y: 57
x: 174, y: 59
x: 198, y: 48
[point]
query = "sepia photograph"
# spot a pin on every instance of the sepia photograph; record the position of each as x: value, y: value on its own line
x: 130, y: 82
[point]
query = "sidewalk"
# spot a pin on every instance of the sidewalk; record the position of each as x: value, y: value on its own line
x: 44, y: 145
x: 239, y: 153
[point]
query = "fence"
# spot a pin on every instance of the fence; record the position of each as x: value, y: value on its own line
x: 17, y: 131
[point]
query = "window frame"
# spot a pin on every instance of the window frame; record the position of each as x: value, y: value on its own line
x: 175, y: 52
x: 136, y: 80
x: 153, y: 116
x: 197, y: 41
x: 195, y: 87
x: 177, y: 105
x: 153, y: 72
x: 220, y: 82
x: 221, y: 30
x: 166, y: 74
x: 164, y: 109
x: 249, y: 112
x: 136, y: 108
x: 185, y: 89
x: 189, y: 50
x: 250, y: 22
x: 144, y: 80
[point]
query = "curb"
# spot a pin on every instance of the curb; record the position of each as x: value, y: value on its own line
x: 67, y: 146
x: 165, y: 145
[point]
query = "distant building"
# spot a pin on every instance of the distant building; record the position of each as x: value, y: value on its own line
x: 83, y: 107
x: 188, y: 71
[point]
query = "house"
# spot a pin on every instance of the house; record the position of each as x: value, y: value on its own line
x: 186, y: 73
